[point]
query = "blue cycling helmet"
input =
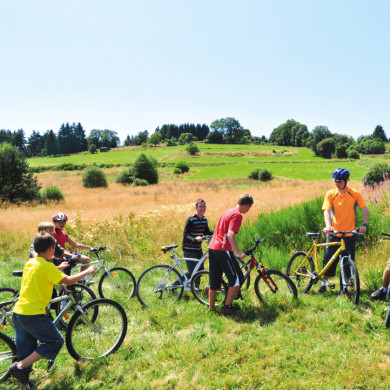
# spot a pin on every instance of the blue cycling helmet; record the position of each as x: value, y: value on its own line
x: 340, y: 174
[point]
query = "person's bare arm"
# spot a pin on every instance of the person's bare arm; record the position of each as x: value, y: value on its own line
x: 77, y: 245
x: 232, y: 239
x: 328, y: 227
x: 69, y: 280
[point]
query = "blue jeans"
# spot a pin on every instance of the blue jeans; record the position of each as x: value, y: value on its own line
x: 31, y: 329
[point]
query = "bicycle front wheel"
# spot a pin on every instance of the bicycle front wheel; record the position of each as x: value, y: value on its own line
x: 83, y: 294
x: 274, y: 287
x: 7, y: 356
x: 158, y: 285
x: 88, y: 340
x: 200, y: 288
x: 119, y: 285
x: 298, y: 269
x: 350, y: 289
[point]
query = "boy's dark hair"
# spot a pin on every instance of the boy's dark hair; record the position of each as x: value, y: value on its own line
x: 199, y: 201
x: 43, y: 241
x: 245, y: 199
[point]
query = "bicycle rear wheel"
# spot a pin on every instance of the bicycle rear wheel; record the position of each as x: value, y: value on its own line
x: 7, y: 356
x: 275, y: 288
x: 83, y: 295
x: 8, y: 294
x: 119, y: 285
x: 159, y: 285
x: 298, y: 269
x: 89, y: 341
x: 351, y: 289
x: 200, y: 288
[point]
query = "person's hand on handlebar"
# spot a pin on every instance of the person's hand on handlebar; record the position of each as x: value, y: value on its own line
x: 327, y: 229
x: 241, y: 255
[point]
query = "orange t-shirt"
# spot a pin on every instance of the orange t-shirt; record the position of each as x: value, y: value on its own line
x: 343, y: 208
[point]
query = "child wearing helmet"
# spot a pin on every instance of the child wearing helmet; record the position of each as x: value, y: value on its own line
x: 339, y: 209
x: 63, y: 238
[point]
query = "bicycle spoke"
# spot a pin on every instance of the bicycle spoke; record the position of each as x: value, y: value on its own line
x: 7, y: 356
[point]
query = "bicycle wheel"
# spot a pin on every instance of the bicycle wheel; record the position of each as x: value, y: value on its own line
x: 119, y: 285
x: 351, y: 289
x: 7, y: 356
x: 200, y: 288
x: 159, y: 284
x: 298, y: 269
x: 387, y: 319
x: 275, y: 288
x: 88, y: 341
x: 83, y: 295
x: 8, y: 294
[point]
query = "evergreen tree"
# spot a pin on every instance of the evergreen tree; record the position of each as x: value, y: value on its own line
x: 35, y: 144
x: 81, y: 143
x: 379, y: 133
x: 51, y: 143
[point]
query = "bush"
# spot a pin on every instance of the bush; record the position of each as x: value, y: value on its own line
x: 94, y: 177
x: 377, y: 173
x: 140, y: 182
x: 126, y: 176
x: 353, y: 154
x: 17, y: 182
x: 92, y: 149
x: 51, y: 193
x: 177, y: 171
x: 263, y: 175
x: 193, y: 149
x: 341, y: 151
x: 146, y: 168
x: 183, y: 166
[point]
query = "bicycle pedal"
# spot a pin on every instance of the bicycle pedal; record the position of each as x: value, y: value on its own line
x: 51, y: 366
x: 332, y: 286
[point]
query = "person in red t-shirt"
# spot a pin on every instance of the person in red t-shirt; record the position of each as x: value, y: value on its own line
x: 222, y: 248
x: 62, y: 238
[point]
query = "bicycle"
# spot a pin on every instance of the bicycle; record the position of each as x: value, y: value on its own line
x: 83, y: 292
x: 117, y: 283
x: 162, y: 283
x: 387, y: 297
x: 304, y: 270
x: 271, y: 286
x: 96, y: 329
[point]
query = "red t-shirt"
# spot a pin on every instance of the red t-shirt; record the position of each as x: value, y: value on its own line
x: 61, y: 236
x: 230, y: 220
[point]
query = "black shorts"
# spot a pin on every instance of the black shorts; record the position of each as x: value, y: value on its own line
x: 350, y: 243
x: 224, y: 262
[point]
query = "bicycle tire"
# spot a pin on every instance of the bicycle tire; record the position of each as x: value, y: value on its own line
x: 200, y: 289
x: 285, y: 291
x: 8, y: 294
x: 85, y: 342
x: 8, y: 355
x: 352, y: 290
x: 124, y: 288
x: 387, y: 319
x: 156, y: 285
x: 297, y: 267
x: 83, y: 295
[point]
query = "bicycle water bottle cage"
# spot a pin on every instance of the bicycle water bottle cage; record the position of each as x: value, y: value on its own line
x: 17, y: 273
x: 165, y: 249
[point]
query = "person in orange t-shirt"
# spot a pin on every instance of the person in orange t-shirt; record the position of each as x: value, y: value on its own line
x: 339, y: 209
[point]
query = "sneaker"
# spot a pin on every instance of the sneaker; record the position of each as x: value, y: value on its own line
x: 322, y: 289
x: 229, y: 311
x: 21, y: 374
x: 378, y: 295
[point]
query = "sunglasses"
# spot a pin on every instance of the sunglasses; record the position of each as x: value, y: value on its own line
x: 338, y: 181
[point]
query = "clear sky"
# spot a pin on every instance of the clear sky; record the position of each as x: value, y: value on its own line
x: 130, y: 65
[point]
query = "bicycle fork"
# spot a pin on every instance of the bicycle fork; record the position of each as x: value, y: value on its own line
x: 346, y: 280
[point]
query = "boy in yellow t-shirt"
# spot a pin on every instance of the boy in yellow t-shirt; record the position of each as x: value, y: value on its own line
x: 31, y: 323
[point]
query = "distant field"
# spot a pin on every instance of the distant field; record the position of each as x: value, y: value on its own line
x: 225, y: 161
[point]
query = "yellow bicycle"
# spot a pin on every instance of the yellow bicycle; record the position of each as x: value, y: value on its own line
x: 304, y: 271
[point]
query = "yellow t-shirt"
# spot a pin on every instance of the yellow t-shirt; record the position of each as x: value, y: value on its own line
x: 39, y: 277
x: 343, y: 208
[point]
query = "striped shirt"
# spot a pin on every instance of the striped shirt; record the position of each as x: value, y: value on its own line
x: 195, y: 227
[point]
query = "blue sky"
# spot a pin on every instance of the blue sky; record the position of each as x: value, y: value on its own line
x: 133, y: 65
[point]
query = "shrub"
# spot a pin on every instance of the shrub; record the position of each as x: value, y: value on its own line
x: 146, y: 168
x: 51, y: 193
x: 92, y: 149
x: 177, y: 171
x: 254, y: 174
x: 341, y: 151
x: 126, y: 176
x: 193, y: 149
x: 265, y: 175
x: 183, y: 166
x: 94, y: 177
x: 140, y: 182
x: 353, y: 154
x: 377, y: 173
x: 17, y: 182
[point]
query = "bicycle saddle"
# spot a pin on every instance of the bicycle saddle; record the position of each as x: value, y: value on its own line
x: 168, y: 247
x: 17, y: 273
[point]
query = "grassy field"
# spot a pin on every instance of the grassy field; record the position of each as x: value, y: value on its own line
x: 319, y: 342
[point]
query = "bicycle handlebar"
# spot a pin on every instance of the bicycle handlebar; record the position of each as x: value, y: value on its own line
x: 100, y: 249
x: 385, y: 234
x: 354, y: 232
x: 249, y: 252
